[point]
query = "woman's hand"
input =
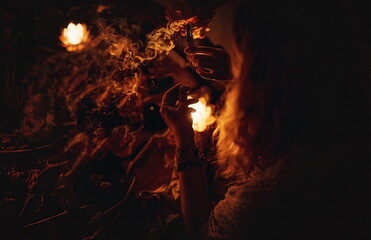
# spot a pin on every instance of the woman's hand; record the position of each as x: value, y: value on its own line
x: 210, y: 63
x: 190, y: 12
x: 177, y: 115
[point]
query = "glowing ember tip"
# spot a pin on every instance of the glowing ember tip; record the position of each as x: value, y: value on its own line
x: 203, y: 116
x: 74, y: 37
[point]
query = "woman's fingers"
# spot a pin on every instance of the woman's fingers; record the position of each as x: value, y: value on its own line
x: 171, y: 96
x: 190, y: 57
x: 192, y: 110
x: 206, y: 74
x: 166, y: 109
x: 177, y: 93
x: 210, y: 63
x: 183, y: 90
x: 177, y: 118
x: 204, y: 58
x: 191, y: 101
x: 203, y: 61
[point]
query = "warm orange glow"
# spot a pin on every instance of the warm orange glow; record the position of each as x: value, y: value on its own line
x: 203, y: 116
x: 74, y: 37
x: 198, y: 32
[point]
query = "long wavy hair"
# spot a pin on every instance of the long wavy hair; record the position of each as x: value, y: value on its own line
x: 302, y: 83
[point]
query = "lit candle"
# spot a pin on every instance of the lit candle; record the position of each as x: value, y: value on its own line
x: 74, y: 37
x: 203, y: 116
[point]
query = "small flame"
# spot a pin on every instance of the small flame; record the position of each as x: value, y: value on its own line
x: 74, y: 34
x: 74, y: 37
x: 203, y: 116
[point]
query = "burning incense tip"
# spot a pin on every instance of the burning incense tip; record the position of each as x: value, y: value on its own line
x: 74, y: 37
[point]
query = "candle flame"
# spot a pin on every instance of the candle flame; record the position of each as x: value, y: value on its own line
x: 203, y: 116
x: 74, y: 37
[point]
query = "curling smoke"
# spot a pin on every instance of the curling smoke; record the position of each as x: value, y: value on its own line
x: 98, y: 82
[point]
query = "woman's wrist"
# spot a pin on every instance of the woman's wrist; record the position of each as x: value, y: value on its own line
x: 185, y: 139
x: 186, y: 154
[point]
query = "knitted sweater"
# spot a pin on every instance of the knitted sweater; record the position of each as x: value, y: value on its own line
x: 313, y: 197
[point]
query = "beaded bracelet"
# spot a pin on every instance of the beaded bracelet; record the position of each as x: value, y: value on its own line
x: 187, y: 158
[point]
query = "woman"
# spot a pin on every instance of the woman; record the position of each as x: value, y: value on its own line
x: 294, y: 132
